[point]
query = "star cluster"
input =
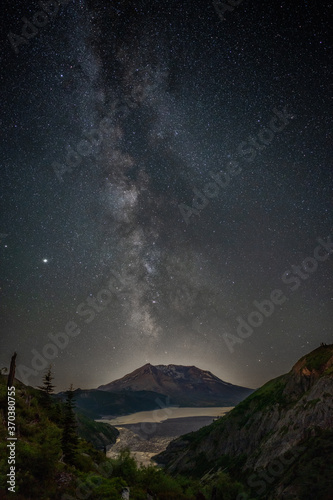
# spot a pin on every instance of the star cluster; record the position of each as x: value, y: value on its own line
x: 114, y: 120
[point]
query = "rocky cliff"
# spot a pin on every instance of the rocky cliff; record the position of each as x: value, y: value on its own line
x: 279, y: 424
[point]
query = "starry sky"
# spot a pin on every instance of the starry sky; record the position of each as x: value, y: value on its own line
x: 163, y: 172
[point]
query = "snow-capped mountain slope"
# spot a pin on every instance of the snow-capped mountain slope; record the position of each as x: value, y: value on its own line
x: 183, y: 384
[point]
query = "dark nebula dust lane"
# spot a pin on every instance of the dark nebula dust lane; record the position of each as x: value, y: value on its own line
x: 163, y: 174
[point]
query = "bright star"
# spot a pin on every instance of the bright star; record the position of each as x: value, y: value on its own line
x: 45, y: 261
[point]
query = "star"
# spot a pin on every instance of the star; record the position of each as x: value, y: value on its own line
x: 139, y: 131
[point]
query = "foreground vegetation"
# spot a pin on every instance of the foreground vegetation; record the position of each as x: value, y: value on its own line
x: 58, y: 453
x: 54, y: 461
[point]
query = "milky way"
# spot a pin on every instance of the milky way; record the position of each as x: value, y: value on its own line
x: 179, y: 162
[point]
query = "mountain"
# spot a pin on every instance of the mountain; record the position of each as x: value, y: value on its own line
x: 278, y: 441
x: 37, y: 455
x: 185, y: 385
x: 99, y: 434
x: 33, y: 465
x: 101, y: 404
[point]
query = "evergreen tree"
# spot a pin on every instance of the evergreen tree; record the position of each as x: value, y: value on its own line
x: 69, y: 439
x: 47, y: 386
x: 12, y: 368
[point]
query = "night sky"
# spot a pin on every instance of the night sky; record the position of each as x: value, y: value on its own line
x: 162, y: 171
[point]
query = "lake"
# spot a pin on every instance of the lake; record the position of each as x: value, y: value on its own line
x: 147, y: 433
x: 165, y: 413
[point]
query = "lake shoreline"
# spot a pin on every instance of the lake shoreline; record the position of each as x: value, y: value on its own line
x: 146, y: 438
x: 162, y: 414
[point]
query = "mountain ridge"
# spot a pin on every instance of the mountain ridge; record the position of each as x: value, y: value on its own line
x: 288, y: 418
x: 149, y: 387
x: 97, y: 404
x: 183, y: 384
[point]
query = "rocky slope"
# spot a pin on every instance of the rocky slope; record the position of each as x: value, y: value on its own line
x: 281, y: 424
x: 185, y: 385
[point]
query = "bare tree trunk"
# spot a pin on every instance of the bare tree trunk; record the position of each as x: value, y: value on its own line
x: 12, y: 371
